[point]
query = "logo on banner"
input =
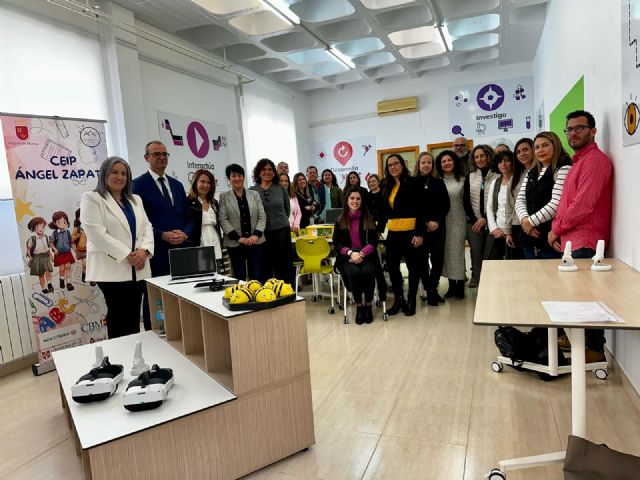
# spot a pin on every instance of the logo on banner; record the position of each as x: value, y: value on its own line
x: 490, y: 97
x: 22, y: 132
x: 90, y: 137
x: 343, y: 151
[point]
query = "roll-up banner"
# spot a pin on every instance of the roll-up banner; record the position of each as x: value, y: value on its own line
x: 52, y: 161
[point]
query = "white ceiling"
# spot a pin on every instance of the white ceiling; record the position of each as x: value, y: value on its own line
x: 383, y: 38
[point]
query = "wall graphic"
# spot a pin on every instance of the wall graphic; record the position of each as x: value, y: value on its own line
x: 630, y: 71
x: 344, y: 155
x: 573, y: 100
x: 194, y: 144
x: 492, y: 109
x: 52, y: 161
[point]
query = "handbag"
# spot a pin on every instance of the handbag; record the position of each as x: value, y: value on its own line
x: 586, y: 460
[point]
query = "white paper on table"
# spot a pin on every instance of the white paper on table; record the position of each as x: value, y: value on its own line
x: 580, y: 312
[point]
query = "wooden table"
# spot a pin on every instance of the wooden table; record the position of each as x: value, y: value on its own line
x: 260, y: 360
x: 511, y: 293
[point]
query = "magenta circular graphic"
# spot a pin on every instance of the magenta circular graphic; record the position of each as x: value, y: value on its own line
x: 343, y: 151
x: 490, y: 97
x: 198, y: 139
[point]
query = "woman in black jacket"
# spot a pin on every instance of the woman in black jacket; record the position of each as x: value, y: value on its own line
x: 437, y: 206
x: 403, y: 213
x: 204, y: 211
x: 355, y: 239
x: 305, y: 199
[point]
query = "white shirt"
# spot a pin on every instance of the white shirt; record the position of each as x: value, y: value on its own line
x: 209, y: 235
x: 41, y: 245
x: 155, y: 177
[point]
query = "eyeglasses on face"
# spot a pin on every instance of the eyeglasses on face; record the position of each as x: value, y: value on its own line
x: 393, y: 164
x: 459, y: 145
x: 159, y: 154
x: 577, y: 129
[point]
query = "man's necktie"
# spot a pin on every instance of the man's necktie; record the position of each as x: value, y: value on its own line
x: 165, y: 192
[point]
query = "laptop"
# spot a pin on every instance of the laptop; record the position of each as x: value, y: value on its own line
x: 192, y: 264
x: 332, y: 215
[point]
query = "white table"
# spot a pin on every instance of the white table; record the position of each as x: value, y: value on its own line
x: 511, y: 293
x: 101, y: 422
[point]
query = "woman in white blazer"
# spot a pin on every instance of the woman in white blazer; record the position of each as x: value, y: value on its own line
x: 119, y: 243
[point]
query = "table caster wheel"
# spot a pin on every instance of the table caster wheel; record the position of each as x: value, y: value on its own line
x: 497, y: 367
x: 314, y: 299
x: 319, y: 297
x: 332, y: 310
x: 378, y: 304
x: 601, y: 373
x: 385, y: 317
x: 496, y: 474
x: 340, y: 306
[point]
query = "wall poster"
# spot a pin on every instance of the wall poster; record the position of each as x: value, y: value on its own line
x: 194, y: 144
x: 344, y: 155
x: 492, y: 109
x: 630, y: 71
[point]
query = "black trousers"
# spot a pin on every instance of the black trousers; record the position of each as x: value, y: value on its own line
x: 399, y: 246
x: 246, y: 260
x: 277, y: 258
x: 515, y: 253
x: 434, y: 250
x: 123, y: 306
x: 360, y: 279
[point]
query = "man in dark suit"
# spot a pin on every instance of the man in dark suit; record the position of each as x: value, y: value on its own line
x: 165, y: 203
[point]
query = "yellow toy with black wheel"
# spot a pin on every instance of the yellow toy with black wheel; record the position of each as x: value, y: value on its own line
x: 285, y: 289
x: 253, y: 285
x: 241, y: 296
x: 265, y: 295
x: 230, y: 291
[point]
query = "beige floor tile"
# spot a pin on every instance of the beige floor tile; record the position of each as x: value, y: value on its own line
x: 355, y: 412
x: 439, y: 386
x: 268, y: 474
x: 401, y: 458
x: 337, y: 455
x: 419, y: 419
x: 60, y: 461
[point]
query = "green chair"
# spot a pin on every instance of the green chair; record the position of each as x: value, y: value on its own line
x: 313, y: 251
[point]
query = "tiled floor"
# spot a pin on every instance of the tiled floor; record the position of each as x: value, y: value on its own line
x: 411, y: 398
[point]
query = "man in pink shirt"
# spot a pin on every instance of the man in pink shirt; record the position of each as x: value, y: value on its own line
x: 584, y: 213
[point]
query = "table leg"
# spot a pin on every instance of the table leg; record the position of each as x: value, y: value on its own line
x: 578, y: 384
x: 552, y: 351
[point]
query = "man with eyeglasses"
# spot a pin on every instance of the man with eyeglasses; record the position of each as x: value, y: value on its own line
x: 584, y: 212
x: 315, y: 187
x: 165, y: 203
x: 461, y: 148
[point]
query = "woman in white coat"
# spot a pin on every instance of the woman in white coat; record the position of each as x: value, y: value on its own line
x: 119, y: 244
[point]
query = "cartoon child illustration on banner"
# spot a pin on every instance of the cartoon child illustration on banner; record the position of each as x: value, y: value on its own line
x: 61, y: 244
x: 79, y: 245
x: 39, y: 254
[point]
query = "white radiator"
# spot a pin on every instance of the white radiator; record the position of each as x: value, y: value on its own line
x: 16, y: 332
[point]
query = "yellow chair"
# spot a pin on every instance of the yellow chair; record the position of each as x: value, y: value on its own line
x: 313, y: 251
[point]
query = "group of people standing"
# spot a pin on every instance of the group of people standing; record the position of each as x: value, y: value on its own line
x: 508, y: 205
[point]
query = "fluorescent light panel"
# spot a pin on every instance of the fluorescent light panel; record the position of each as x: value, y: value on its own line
x: 341, y: 57
x: 281, y: 9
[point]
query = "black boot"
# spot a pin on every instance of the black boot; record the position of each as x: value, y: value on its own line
x: 411, y: 306
x: 460, y: 289
x: 398, y: 304
x: 360, y: 315
x: 432, y: 298
x: 452, y: 289
x: 368, y: 318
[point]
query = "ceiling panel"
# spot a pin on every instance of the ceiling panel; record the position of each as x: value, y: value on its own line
x: 290, y: 41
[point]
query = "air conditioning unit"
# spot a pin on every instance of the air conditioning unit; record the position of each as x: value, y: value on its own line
x: 398, y: 105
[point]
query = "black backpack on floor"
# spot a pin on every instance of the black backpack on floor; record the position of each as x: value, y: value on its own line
x: 523, y: 347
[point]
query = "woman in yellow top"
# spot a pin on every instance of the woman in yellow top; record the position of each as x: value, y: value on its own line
x: 403, y: 213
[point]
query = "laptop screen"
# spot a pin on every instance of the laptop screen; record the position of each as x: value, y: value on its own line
x: 192, y: 262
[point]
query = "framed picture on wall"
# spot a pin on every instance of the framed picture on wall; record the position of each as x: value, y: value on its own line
x: 410, y: 155
x: 435, y: 148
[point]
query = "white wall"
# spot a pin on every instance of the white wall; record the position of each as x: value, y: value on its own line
x: 582, y: 37
x: 351, y: 112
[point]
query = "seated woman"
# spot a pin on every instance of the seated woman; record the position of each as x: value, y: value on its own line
x: 355, y: 239
x: 204, y: 211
